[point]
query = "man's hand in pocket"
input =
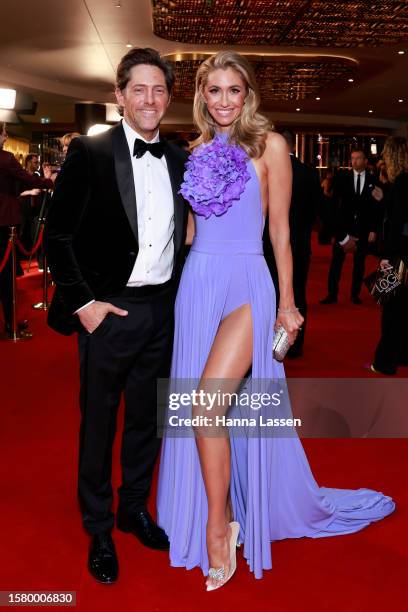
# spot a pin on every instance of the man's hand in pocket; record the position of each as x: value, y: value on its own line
x: 92, y: 315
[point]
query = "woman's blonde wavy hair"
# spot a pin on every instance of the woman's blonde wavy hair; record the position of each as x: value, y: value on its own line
x: 249, y: 130
x: 395, y: 155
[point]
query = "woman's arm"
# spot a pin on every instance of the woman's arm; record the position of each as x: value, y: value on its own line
x: 190, y: 228
x: 29, y: 180
x: 279, y: 176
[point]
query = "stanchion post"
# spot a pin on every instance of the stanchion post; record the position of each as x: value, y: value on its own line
x: 45, y: 283
x: 44, y: 304
x: 14, y: 334
x: 13, y: 231
x: 14, y: 331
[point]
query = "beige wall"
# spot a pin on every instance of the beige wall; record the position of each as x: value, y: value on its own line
x: 19, y: 148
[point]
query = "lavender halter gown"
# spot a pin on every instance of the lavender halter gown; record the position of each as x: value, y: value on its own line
x: 273, y: 492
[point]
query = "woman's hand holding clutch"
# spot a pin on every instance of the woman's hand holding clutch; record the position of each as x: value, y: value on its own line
x: 287, y: 326
x: 291, y: 320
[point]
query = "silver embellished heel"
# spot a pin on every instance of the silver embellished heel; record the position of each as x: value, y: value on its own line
x: 219, y: 573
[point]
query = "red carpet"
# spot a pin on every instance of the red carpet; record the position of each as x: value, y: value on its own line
x: 45, y: 548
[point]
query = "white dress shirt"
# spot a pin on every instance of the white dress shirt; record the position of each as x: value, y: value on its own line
x: 155, y: 217
x: 362, y: 180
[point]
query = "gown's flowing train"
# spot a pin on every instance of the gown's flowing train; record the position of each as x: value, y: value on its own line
x: 273, y: 492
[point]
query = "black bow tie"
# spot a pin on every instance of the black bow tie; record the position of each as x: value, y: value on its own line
x: 155, y: 148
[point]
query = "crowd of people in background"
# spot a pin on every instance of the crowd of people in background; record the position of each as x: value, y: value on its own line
x: 365, y: 210
x: 25, y: 193
x: 14, y: 180
x: 359, y: 211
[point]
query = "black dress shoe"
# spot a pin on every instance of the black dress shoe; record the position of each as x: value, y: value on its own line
x: 22, y: 331
x: 356, y: 300
x: 102, y: 560
x: 20, y: 325
x: 330, y: 299
x: 383, y: 370
x: 144, y: 528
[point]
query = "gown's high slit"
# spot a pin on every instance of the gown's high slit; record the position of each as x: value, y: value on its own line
x: 273, y: 492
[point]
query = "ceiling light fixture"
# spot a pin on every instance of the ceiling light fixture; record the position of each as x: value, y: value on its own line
x: 112, y: 115
x: 129, y: 45
x: 317, y: 98
x: 370, y: 111
x: 401, y: 52
x: 98, y: 128
x: 298, y: 109
x: 7, y: 98
x: 400, y: 100
x: 351, y: 80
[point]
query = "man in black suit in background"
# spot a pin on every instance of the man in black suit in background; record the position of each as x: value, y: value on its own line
x: 115, y: 235
x: 357, y: 224
x: 306, y: 198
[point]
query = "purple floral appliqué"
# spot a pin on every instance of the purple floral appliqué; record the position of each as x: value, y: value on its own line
x: 215, y: 176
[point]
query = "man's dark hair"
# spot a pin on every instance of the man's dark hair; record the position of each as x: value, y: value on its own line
x: 148, y: 56
x: 357, y: 150
x: 289, y: 137
x: 29, y: 158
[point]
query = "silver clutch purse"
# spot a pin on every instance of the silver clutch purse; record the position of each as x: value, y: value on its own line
x: 280, y: 343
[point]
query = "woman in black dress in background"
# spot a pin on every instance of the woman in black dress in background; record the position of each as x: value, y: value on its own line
x: 392, y: 349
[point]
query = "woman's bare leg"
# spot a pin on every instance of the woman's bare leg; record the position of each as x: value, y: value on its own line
x: 229, y: 360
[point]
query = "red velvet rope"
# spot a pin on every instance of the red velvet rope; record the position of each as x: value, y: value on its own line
x: 35, y: 247
x: 6, y: 256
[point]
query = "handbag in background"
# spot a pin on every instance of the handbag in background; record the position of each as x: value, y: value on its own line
x: 384, y: 283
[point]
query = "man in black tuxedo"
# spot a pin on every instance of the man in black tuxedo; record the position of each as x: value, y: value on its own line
x: 115, y: 235
x: 357, y: 224
x: 306, y: 199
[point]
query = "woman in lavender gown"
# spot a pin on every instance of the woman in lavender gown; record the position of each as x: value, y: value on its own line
x: 217, y: 489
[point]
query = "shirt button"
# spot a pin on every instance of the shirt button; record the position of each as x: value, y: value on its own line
x: 150, y: 245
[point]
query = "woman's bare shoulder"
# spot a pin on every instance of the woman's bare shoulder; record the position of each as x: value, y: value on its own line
x: 275, y: 144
